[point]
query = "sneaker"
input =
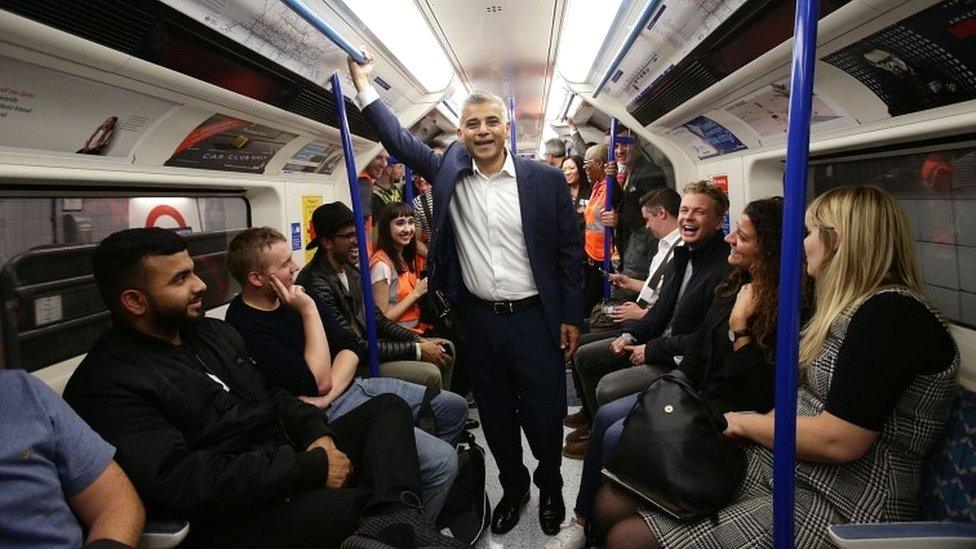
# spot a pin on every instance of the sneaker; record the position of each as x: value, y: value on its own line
x: 575, y: 450
x: 572, y: 536
x: 400, y: 526
x: 575, y: 421
x: 579, y: 435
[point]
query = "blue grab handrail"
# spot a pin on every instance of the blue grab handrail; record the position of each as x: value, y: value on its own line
x: 639, y: 26
x: 512, y: 128
x: 408, y: 185
x: 325, y: 28
x: 357, y: 209
x: 791, y: 263
x: 611, y: 181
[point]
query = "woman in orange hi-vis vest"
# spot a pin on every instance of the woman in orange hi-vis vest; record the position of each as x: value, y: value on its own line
x: 595, y: 223
x: 395, y: 267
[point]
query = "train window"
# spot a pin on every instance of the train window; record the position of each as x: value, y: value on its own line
x: 51, y: 308
x: 937, y: 189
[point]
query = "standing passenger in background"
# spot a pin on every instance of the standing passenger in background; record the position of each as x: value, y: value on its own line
x: 555, y: 152
x: 423, y: 207
x: 579, y: 188
x: 367, y: 179
x: 494, y: 210
x: 386, y: 189
x: 878, y: 371
x: 596, y: 217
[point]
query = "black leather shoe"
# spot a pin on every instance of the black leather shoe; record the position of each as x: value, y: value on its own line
x: 507, y: 513
x: 471, y: 424
x: 552, y: 511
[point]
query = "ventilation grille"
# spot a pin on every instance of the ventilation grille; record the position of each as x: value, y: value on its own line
x: 133, y: 27
x: 684, y: 82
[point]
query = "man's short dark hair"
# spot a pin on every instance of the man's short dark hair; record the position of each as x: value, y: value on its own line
x: 117, y: 261
x: 665, y: 197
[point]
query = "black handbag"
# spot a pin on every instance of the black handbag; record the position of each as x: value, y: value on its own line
x: 672, y: 453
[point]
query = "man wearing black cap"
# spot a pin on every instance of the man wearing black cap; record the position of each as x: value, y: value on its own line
x: 403, y: 354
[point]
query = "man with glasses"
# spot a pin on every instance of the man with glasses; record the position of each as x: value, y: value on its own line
x: 331, y: 276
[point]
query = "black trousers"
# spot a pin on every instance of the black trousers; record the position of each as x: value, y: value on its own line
x: 586, y: 338
x: 518, y: 377
x: 378, y: 439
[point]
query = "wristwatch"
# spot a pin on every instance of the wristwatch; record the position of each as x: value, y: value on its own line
x: 738, y: 334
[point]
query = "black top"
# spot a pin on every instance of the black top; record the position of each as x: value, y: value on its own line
x: 729, y: 380
x: 193, y: 448
x: 276, y: 341
x: 891, y: 339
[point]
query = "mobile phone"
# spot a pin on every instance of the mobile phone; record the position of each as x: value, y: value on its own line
x: 448, y: 350
x: 606, y: 274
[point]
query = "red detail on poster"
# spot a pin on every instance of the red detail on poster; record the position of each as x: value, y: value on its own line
x: 164, y: 211
x: 722, y: 182
x: 965, y: 29
x: 209, y: 130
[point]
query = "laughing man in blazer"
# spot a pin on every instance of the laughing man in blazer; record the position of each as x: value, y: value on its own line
x: 506, y: 249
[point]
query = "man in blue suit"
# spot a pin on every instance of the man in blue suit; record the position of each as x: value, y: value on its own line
x: 506, y: 249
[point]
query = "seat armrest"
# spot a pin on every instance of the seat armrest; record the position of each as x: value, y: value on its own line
x: 896, y: 535
x: 163, y: 534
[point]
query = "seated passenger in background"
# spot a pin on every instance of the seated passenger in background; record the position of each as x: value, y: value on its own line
x: 661, y: 334
x: 298, y: 344
x: 203, y: 437
x: 55, y: 471
x: 729, y: 360
x: 878, y: 372
x: 331, y: 276
x: 395, y: 268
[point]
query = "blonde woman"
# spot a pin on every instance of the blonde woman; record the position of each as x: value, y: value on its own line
x: 878, y: 370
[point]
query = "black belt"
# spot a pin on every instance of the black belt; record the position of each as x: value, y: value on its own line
x: 507, y: 307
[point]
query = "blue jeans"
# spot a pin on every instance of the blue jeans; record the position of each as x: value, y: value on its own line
x: 604, y: 435
x: 438, y: 456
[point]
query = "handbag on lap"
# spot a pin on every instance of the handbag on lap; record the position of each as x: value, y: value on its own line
x: 672, y: 453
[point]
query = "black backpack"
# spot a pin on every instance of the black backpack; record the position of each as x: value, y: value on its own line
x: 672, y: 453
x: 467, y: 511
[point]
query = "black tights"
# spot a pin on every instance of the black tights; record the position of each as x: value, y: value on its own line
x: 618, y: 521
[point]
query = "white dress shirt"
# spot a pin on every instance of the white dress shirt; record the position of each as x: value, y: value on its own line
x: 664, y: 246
x: 486, y: 217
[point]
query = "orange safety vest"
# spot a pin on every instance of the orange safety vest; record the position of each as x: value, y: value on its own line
x: 593, y: 234
x: 406, y: 282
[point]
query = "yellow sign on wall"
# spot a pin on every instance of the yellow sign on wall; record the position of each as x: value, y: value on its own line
x: 309, y: 203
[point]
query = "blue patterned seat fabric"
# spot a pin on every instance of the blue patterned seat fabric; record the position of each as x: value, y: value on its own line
x: 949, y: 486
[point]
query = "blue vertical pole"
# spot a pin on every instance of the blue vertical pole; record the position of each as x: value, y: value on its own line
x: 791, y: 261
x: 357, y: 209
x: 512, y: 128
x: 611, y: 182
x: 407, y: 185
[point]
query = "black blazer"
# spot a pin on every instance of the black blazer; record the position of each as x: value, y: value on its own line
x: 709, y: 266
x: 548, y: 220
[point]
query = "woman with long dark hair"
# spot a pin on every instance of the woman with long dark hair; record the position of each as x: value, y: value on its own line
x: 729, y: 359
x: 395, y: 266
x: 579, y: 187
x: 878, y: 370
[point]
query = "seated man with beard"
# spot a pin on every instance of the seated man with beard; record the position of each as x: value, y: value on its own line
x: 204, y: 438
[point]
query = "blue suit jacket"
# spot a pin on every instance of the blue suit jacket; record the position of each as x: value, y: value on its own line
x: 548, y: 220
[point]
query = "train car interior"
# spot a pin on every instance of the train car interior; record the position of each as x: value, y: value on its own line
x: 208, y: 117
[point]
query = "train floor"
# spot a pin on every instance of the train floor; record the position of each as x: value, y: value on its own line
x: 527, y: 533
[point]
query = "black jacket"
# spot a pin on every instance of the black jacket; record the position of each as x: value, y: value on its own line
x: 192, y: 449
x: 728, y: 380
x: 709, y: 266
x: 395, y: 341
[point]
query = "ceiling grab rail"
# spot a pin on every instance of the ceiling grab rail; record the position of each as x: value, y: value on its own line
x: 639, y: 27
x: 791, y: 263
x: 325, y: 28
x: 347, y: 152
x: 512, y: 127
x: 357, y: 209
x: 610, y: 182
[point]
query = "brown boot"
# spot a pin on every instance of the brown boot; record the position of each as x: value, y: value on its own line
x: 575, y: 450
x: 579, y: 435
x: 575, y: 421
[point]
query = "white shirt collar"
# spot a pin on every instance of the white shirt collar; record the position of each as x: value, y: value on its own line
x: 508, y: 167
x: 671, y: 237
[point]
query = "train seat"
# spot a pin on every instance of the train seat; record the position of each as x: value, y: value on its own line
x: 948, y: 498
x: 163, y: 534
